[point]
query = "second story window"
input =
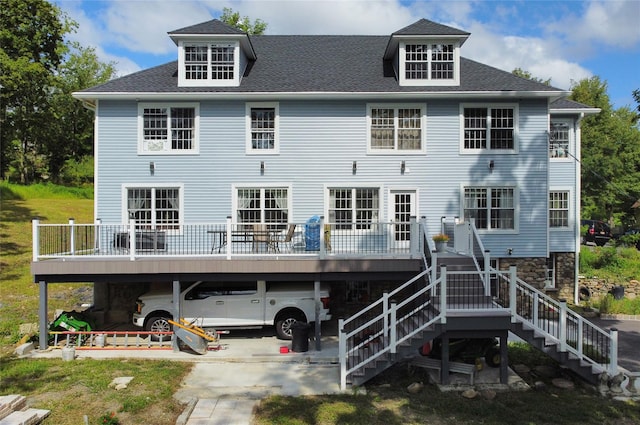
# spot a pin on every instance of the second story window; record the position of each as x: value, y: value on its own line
x: 398, y: 129
x: 489, y: 128
x: 209, y: 64
x: 492, y: 208
x: 262, y: 128
x: 168, y: 129
x: 154, y: 207
x: 268, y: 205
x: 559, y: 138
x: 353, y: 208
x: 559, y: 209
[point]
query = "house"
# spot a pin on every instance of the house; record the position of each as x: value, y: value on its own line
x: 348, y: 153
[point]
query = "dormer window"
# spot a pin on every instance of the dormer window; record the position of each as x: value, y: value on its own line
x: 423, y: 64
x: 209, y: 64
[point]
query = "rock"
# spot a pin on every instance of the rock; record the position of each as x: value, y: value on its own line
x: 118, y: 382
x: 470, y: 394
x: 488, y: 394
x: 539, y: 385
x: 562, y: 383
x: 546, y: 371
x: 415, y: 388
x: 119, y: 387
x: 25, y: 348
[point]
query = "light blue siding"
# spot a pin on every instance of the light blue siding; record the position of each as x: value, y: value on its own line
x: 319, y: 141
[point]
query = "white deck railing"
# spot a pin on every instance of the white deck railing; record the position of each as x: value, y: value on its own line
x: 228, y: 239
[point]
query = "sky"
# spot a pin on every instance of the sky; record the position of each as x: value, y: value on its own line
x: 565, y: 41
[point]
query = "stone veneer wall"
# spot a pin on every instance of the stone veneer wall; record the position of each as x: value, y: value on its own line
x: 533, y: 271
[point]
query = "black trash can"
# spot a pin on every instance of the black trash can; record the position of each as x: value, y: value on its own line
x: 300, y: 337
x: 618, y: 292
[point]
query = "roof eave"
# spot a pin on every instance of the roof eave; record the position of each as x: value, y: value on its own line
x: 575, y: 111
x: 155, y: 96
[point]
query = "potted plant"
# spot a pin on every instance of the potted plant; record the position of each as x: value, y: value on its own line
x: 441, y: 240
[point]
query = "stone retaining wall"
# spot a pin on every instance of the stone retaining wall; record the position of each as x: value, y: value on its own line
x: 594, y: 288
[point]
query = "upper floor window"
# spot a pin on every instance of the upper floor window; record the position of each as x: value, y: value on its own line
x: 492, y: 208
x: 168, y: 128
x: 559, y: 209
x: 262, y: 128
x: 263, y: 205
x: 489, y: 128
x: 209, y: 64
x: 429, y: 64
x: 154, y: 207
x: 354, y: 208
x: 559, y: 138
x: 396, y: 129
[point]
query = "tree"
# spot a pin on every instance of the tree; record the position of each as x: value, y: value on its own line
x: 233, y: 19
x: 71, y: 130
x: 31, y: 36
x: 610, y: 155
x: 526, y: 74
x: 636, y: 97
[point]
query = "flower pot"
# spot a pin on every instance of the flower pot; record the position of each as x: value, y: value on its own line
x: 440, y: 245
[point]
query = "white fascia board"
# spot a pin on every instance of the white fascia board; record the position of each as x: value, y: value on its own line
x: 574, y: 111
x: 249, y: 96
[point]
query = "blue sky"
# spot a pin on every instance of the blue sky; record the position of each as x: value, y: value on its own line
x: 562, y: 40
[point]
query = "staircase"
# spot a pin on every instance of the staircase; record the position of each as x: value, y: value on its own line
x: 397, y: 325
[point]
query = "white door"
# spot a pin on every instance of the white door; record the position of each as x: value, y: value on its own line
x: 403, y: 205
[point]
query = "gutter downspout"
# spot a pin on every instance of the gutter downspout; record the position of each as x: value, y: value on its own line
x: 578, y: 137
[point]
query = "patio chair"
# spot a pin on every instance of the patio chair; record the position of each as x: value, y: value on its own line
x: 287, y: 240
x: 262, y: 236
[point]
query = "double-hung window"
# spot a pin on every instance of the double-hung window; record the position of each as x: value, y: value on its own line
x: 489, y: 128
x: 262, y: 128
x: 397, y: 129
x: 491, y: 208
x: 559, y: 209
x: 157, y: 208
x: 354, y: 208
x: 168, y: 129
x: 269, y: 205
x: 209, y: 64
x: 559, y: 138
x: 424, y: 63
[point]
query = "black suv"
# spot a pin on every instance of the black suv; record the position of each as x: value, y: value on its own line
x: 598, y: 232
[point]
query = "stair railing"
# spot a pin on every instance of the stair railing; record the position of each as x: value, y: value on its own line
x: 551, y: 318
x: 377, y: 330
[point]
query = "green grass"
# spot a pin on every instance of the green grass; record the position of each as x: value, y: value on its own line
x: 18, y: 293
x: 74, y: 389
x: 616, y: 265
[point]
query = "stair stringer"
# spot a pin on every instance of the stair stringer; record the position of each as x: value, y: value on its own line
x: 552, y: 348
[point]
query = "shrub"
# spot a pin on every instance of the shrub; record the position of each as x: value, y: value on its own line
x: 77, y: 173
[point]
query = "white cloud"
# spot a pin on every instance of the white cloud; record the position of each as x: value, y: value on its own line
x: 535, y: 55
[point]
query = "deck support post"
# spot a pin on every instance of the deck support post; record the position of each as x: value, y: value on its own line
x: 42, y: 315
x: 342, y: 354
x: 176, y: 312
x: 504, y: 358
x: 318, y: 329
x: 444, y: 371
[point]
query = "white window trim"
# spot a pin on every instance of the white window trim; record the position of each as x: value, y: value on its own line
x: 516, y: 207
x: 274, y: 185
x: 179, y: 186
x: 208, y: 82
x: 571, y: 211
x: 381, y: 207
x: 276, y: 145
x: 571, y: 148
x: 395, y: 150
x: 195, y: 150
x: 455, y: 81
x: 488, y: 150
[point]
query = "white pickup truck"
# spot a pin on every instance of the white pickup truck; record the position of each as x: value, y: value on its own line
x: 226, y: 305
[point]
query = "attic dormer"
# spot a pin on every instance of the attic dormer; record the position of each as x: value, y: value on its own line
x: 212, y: 54
x: 426, y: 54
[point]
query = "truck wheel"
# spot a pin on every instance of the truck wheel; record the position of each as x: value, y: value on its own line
x: 492, y: 357
x: 284, y: 324
x: 158, y: 324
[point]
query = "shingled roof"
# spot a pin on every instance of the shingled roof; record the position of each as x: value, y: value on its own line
x: 321, y: 64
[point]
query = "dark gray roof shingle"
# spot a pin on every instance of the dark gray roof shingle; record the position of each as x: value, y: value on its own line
x: 427, y: 27
x: 213, y: 26
x: 332, y: 63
